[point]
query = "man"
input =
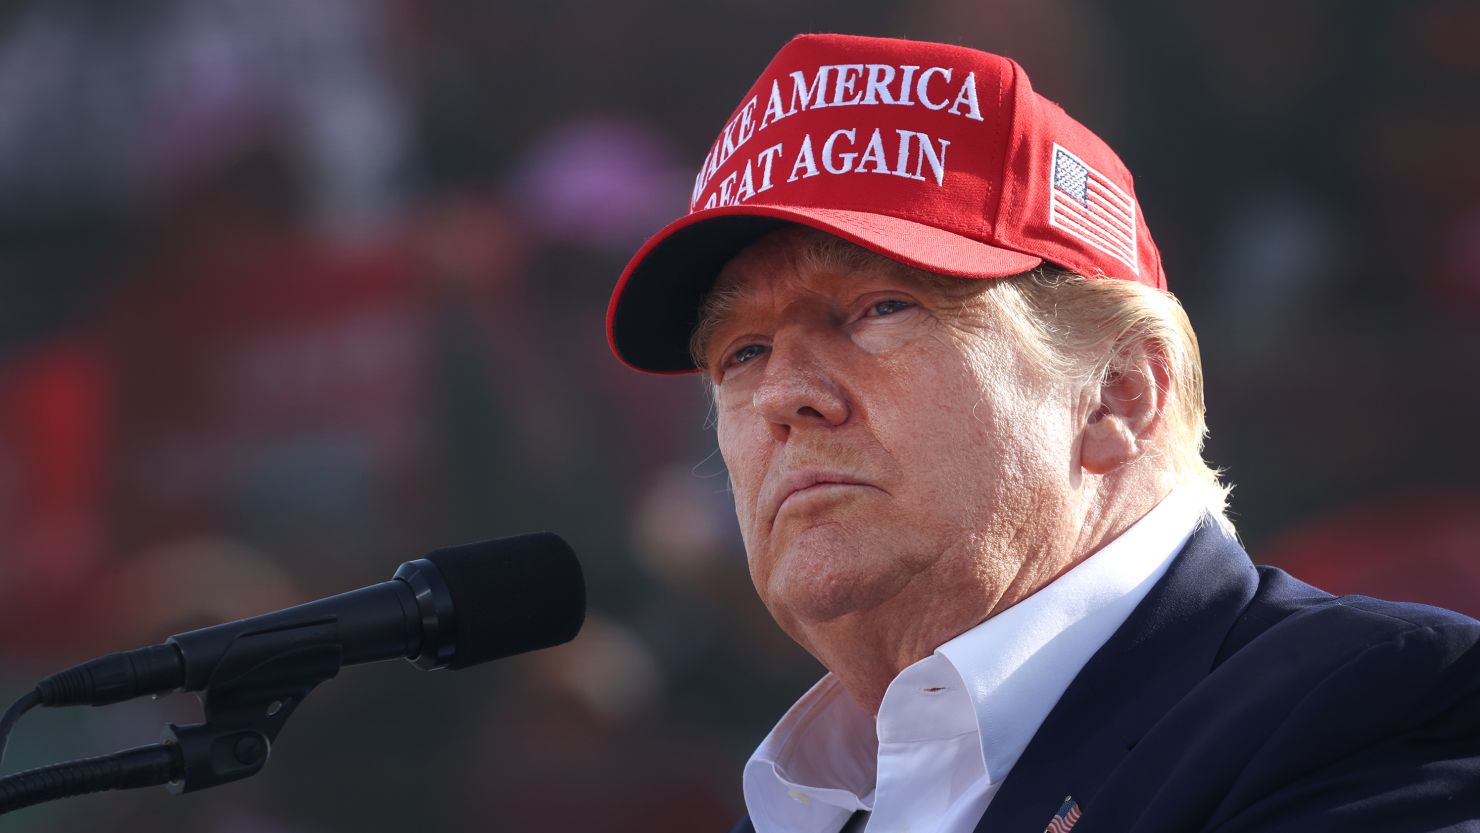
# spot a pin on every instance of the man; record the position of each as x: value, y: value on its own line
x: 963, y: 422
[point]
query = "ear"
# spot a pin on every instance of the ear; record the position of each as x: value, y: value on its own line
x: 1124, y: 410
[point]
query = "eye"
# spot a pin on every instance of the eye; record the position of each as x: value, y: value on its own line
x: 734, y: 360
x: 746, y: 353
x: 888, y: 307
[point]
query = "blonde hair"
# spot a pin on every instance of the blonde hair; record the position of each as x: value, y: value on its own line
x: 1080, y: 330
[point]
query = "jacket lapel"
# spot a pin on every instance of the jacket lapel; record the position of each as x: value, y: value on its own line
x: 1169, y: 643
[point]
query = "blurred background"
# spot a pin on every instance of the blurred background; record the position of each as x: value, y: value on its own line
x: 291, y: 292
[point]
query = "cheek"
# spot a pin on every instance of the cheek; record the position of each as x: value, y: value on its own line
x: 1028, y: 446
x: 744, y: 465
x: 979, y: 434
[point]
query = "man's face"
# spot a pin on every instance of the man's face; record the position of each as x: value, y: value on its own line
x: 892, y: 452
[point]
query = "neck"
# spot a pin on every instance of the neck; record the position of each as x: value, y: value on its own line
x: 867, y: 649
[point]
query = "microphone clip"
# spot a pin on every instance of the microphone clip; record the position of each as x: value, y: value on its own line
x: 247, y: 702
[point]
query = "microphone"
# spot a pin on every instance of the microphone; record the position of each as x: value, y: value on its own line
x: 455, y: 607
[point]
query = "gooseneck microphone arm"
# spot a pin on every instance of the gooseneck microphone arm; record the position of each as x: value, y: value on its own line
x: 259, y: 680
x: 456, y: 607
x: 253, y: 674
x: 146, y: 766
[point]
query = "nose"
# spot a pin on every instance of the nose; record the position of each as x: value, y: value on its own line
x: 799, y: 386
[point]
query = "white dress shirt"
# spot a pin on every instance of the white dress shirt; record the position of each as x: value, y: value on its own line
x: 952, y: 725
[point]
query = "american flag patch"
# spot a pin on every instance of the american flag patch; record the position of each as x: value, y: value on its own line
x: 1065, y: 818
x: 1087, y: 205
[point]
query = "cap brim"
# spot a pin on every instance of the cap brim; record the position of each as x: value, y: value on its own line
x: 655, y: 305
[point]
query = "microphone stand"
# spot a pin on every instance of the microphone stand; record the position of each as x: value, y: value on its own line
x: 247, y: 701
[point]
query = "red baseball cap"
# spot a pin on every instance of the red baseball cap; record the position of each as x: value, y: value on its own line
x: 939, y: 157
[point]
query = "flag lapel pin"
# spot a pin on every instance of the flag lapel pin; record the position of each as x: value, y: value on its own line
x: 1063, y: 821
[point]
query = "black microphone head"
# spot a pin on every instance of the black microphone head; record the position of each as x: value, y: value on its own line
x: 512, y: 595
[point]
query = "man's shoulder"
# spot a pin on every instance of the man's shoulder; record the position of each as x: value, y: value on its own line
x: 1295, y: 674
x: 1331, y: 707
x: 1290, y: 622
x: 1313, y: 711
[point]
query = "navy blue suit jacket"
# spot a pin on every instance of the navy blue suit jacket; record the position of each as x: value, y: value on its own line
x: 1237, y: 699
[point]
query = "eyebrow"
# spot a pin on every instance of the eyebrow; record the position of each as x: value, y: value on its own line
x: 723, y: 304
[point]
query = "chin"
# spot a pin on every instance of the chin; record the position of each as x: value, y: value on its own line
x: 818, y: 581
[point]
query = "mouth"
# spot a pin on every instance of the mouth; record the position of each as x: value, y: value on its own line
x: 815, y: 488
x: 802, y: 485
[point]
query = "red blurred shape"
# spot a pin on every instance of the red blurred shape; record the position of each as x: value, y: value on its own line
x: 1419, y: 546
x: 52, y: 446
